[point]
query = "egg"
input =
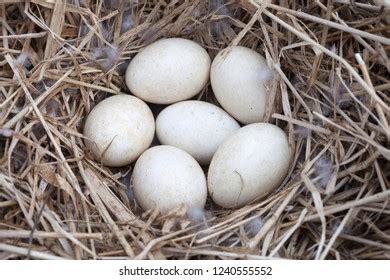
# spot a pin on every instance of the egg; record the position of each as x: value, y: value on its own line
x: 119, y: 129
x: 168, y: 71
x: 165, y: 177
x: 248, y: 165
x: 238, y: 78
x: 196, y: 127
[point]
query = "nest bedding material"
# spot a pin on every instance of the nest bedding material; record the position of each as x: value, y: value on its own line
x: 330, y: 90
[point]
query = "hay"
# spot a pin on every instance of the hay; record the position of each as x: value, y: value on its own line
x: 330, y: 90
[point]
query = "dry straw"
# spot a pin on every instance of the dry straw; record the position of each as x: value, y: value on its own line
x: 330, y: 85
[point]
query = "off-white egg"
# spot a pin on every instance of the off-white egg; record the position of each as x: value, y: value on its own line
x: 119, y: 129
x: 248, y: 165
x: 168, y: 71
x: 238, y: 77
x: 165, y: 177
x: 196, y: 127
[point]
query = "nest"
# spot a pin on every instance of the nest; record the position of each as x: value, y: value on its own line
x: 330, y: 89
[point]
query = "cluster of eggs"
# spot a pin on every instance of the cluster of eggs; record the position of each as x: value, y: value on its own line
x: 244, y: 162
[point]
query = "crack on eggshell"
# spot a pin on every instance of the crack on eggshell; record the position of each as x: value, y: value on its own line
x: 106, y: 148
x: 241, y: 186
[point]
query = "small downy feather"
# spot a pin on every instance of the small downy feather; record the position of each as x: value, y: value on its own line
x: 105, y: 57
x: 221, y: 25
x: 253, y: 226
x: 200, y: 217
x: 127, y: 22
x: 105, y: 32
x: 6, y: 132
x: 23, y: 60
x: 324, y: 171
x: 196, y: 215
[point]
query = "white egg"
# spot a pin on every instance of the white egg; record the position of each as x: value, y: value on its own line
x: 119, y: 129
x: 248, y: 165
x: 168, y: 71
x: 165, y: 177
x: 238, y: 77
x: 196, y: 127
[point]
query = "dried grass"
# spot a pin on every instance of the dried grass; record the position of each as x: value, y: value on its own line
x: 331, y: 94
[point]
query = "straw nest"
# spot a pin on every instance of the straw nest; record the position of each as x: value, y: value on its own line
x: 331, y: 94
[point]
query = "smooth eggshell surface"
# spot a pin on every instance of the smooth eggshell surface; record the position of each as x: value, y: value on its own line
x: 248, y: 165
x: 120, y: 128
x: 238, y: 76
x: 168, y: 71
x: 166, y: 177
x: 196, y: 127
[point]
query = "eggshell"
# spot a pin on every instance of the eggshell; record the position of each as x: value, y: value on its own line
x: 196, y: 127
x: 168, y: 71
x: 248, y: 165
x: 238, y: 77
x: 120, y: 128
x: 166, y: 177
